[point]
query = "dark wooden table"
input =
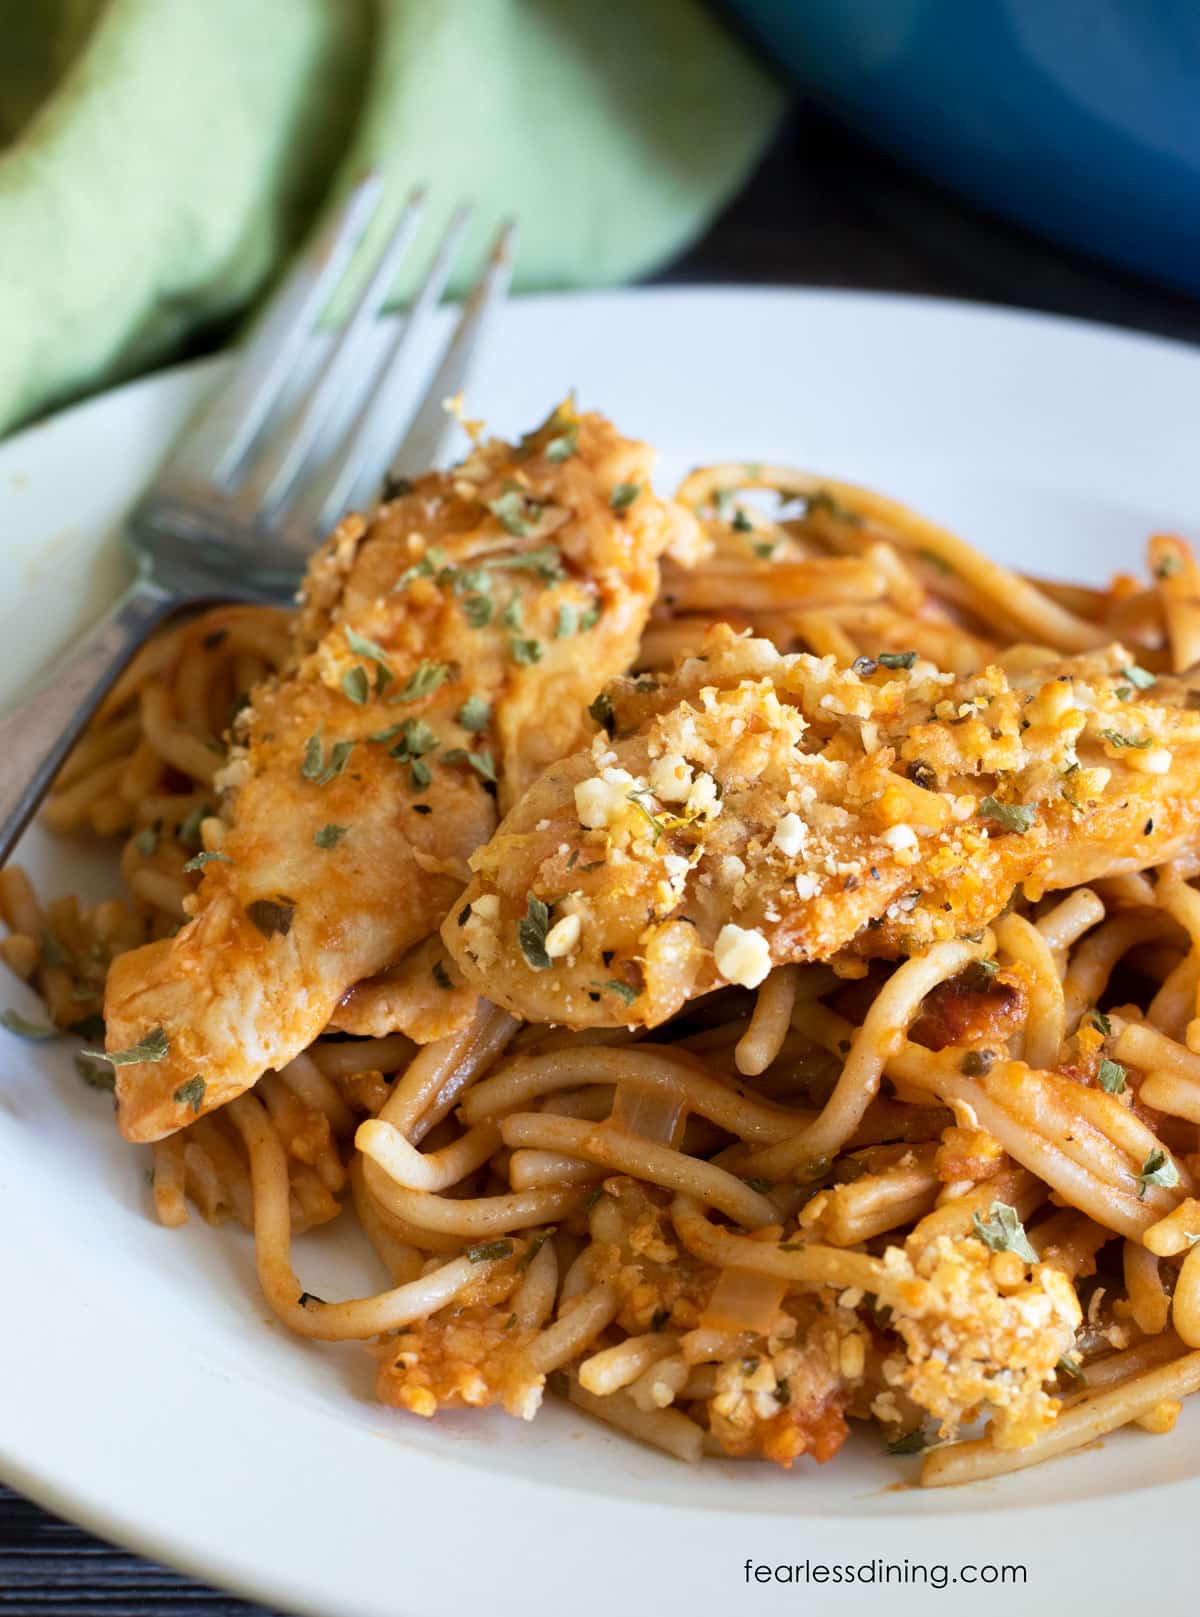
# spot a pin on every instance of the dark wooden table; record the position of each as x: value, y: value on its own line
x: 823, y: 210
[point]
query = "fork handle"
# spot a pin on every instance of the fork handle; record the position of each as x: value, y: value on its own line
x: 36, y: 737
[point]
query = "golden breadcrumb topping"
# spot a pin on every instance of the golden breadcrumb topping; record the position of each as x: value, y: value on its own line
x: 756, y: 809
x: 982, y: 1334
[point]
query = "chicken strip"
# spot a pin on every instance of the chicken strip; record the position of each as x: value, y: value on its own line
x: 757, y: 809
x: 445, y: 650
x: 423, y: 995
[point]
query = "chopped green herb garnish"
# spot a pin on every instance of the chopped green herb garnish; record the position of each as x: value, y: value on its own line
x: 1110, y: 1075
x: 532, y: 1250
x: 765, y: 549
x: 272, y: 916
x: 514, y: 513
x: 761, y: 1185
x: 321, y: 769
x: 189, y: 829
x: 589, y: 619
x: 514, y: 613
x: 199, y: 860
x: 482, y: 763
x: 146, y: 840
x: 910, y: 1443
x: 423, y: 681
x: 601, y: 709
x: 562, y: 447
x: 355, y: 684
x: 362, y: 647
x: 191, y: 1094
x: 1018, y: 817
x: 416, y: 739
x: 419, y: 569
x: 1002, y: 1231
x: 152, y: 1048
x: 1168, y: 566
x: 934, y: 560
x: 94, y: 1074
x: 741, y: 522
x: 896, y: 659
x: 1098, y: 1020
x: 475, y: 714
x: 477, y: 609
x: 545, y: 561
x: 487, y: 1250
x: 525, y: 651
x: 567, y: 623
x: 468, y: 580
x: 1067, y: 1367
x: 531, y: 933
x: 822, y: 500
x: 330, y: 835
x: 1158, y: 1169
x: 624, y: 991
x: 419, y: 774
x: 624, y: 495
x: 25, y: 1029
x: 657, y: 827
x: 978, y: 1063
x: 1116, y: 739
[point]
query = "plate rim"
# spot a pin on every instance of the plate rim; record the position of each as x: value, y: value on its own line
x: 984, y: 308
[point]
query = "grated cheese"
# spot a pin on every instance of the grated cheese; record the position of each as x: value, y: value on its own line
x: 671, y: 778
x: 791, y: 833
x: 742, y: 955
x: 563, y: 936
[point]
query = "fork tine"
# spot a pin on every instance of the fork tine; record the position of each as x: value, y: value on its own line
x: 353, y: 476
x: 273, y: 475
x: 432, y: 427
x: 216, y: 444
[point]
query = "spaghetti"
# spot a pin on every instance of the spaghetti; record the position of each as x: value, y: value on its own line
x: 915, y: 1192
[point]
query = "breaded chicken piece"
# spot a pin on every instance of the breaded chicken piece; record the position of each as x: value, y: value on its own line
x: 758, y: 809
x: 445, y: 650
x: 423, y: 995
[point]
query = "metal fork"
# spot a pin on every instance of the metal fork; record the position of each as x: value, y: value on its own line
x: 259, y: 478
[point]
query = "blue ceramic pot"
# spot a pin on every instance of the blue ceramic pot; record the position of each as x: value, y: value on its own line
x: 1080, y: 118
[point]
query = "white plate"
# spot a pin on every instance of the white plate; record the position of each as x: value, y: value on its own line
x: 143, y: 1387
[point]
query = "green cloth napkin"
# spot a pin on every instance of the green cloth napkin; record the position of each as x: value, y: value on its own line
x: 159, y: 158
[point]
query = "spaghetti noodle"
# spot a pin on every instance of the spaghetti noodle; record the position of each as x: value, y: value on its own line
x: 911, y: 1191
